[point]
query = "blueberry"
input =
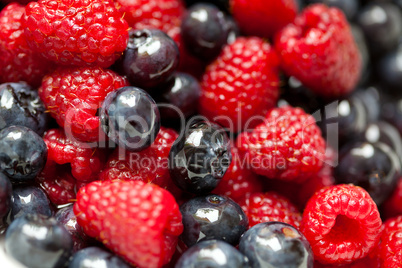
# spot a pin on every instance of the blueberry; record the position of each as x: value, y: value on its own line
x: 29, y: 200
x: 38, y: 242
x: 94, y: 257
x: 130, y: 118
x: 20, y: 105
x: 200, y: 157
x: 5, y: 195
x: 183, y: 94
x: 221, y: 4
x: 205, y: 30
x: 349, y: 7
x: 371, y: 99
x: 276, y: 244
x: 150, y: 58
x: 212, y: 217
x: 212, y: 254
x: 373, y: 166
x: 390, y: 69
x: 23, y: 153
x: 391, y: 111
x: 66, y: 217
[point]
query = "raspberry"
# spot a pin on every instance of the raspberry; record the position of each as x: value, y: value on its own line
x: 238, y: 180
x: 318, y: 49
x: 73, y: 95
x: 79, y: 32
x: 287, y: 145
x: 86, y: 162
x: 265, y: 207
x: 342, y: 224
x: 390, y: 249
x: 240, y: 84
x: 392, y: 207
x: 18, y: 61
x: 263, y: 18
x: 149, y: 165
x: 139, y: 221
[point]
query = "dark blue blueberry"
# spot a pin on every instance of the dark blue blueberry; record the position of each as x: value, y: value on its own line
x: 349, y: 7
x: 212, y: 254
x: 5, y: 195
x: 391, y: 111
x: 180, y: 98
x: 276, y: 244
x: 94, y: 257
x: 200, y: 157
x: 29, y: 200
x: 390, y: 70
x: 130, y: 118
x: 212, y: 217
x: 20, y: 105
x: 66, y: 217
x: 373, y: 166
x: 150, y: 59
x: 371, y: 100
x: 38, y: 242
x: 205, y: 30
x: 23, y: 153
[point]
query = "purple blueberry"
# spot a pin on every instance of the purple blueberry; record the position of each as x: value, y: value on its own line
x: 94, y: 257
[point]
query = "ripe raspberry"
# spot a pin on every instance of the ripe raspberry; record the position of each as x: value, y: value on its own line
x: 79, y: 32
x: 240, y: 84
x: 18, y: 61
x: 389, y: 251
x: 392, y: 207
x: 86, y: 161
x: 139, y: 221
x: 318, y: 49
x: 238, y: 180
x: 263, y: 18
x: 288, y: 145
x: 265, y: 207
x: 149, y: 165
x: 342, y: 224
x: 73, y: 96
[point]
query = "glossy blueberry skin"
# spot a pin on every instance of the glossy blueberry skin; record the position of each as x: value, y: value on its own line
x: 23, y: 153
x: 212, y: 217
x: 20, y: 105
x: 38, y: 242
x: 371, y: 100
x: 200, y: 157
x: 96, y: 257
x: 205, y: 30
x: 276, y: 244
x: 349, y: 7
x: 5, y: 195
x: 182, y: 94
x: 130, y: 117
x: 390, y: 69
x: 150, y: 59
x: 212, y: 254
x: 373, y: 166
x: 66, y: 217
x: 29, y: 200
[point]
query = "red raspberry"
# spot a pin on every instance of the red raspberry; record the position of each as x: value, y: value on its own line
x: 288, y: 145
x: 238, y: 180
x: 263, y: 18
x: 18, y: 61
x: 342, y: 224
x: 264, y: 207
x: 240, y: 84
x: 318, y: 49
x: 73, y: 96
x: 392, y: 207
x: 86, y: 161
x: 149, y: 165
x: 79, y: 32
x: 390, y: 249
x: 139, y: 221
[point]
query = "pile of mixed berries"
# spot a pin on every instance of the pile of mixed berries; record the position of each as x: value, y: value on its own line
x: 201, y: 133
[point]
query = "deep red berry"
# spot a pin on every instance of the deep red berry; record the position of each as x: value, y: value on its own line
x: 389, y: 251
x: 73, y: 96
x: 288, y: 145
x: 241, y: 84
x: 263, y: 18
x: 139, y: 221
x: 392, y: 207
x: 86, y: 161
x: 76, y: 32
x: 342, y: 224
x: 149, y: 165
x: 265, y: 207
x: 318, y: 49
x: 238, y: 180
x: 18, y: 61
